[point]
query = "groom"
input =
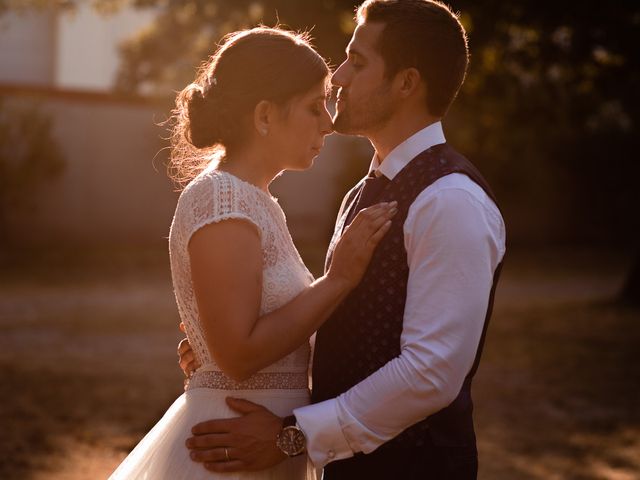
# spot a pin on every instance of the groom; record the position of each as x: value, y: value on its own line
x: 393, y: 365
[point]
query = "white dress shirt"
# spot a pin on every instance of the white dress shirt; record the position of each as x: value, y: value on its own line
x: 454, y: 236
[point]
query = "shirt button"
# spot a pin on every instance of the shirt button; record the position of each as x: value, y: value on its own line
x: 331, y: 454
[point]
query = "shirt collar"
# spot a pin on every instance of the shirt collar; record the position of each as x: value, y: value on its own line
x: 400, y: 156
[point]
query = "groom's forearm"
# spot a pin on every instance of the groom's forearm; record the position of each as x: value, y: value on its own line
x: 373, y: 412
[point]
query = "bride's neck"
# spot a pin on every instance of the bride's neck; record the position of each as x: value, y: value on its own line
x: 251, y: 167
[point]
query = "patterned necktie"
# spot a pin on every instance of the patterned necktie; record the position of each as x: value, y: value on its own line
x: 368, y: 195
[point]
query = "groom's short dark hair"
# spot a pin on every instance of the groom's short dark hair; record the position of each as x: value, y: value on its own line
x: 426, y: 35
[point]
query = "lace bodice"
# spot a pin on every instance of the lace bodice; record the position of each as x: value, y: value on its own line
x: 214, y: 196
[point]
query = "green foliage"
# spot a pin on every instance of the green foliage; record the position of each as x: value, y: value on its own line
x: 549, y: 109
x: 164, y: 55
x: 29, y: 156
x: 26, y: 5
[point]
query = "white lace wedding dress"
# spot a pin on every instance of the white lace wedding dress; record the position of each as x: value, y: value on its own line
x: 211, y: 197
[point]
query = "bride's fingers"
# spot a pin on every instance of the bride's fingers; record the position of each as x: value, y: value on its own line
x: 373, y: 211
x: 380, y: 220
x: 392, y: 203
x: 369, y: 227
x: 379, y: 211
x: 379, y: 233
x: 372, y: 217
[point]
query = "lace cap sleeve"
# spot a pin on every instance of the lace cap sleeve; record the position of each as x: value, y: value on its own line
x: 212, y: 197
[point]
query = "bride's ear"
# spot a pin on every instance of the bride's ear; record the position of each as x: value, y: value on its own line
x: 263, y: 117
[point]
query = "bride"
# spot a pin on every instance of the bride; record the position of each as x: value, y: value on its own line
x: 248, y: 303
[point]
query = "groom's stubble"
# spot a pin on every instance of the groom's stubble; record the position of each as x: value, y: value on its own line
x: 363, y: 114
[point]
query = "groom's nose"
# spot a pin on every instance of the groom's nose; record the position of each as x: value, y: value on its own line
x: 339, y: 77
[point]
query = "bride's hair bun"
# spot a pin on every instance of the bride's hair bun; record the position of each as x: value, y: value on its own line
x: 202, y: 130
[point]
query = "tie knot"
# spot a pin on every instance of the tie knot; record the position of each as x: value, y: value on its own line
x: 375, y: 182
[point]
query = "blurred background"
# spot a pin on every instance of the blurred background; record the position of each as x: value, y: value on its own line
x: 88, y: 324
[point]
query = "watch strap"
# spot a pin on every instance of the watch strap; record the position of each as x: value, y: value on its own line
x: 289, y: 421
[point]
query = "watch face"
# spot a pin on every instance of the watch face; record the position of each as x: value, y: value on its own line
x: 291, y: 441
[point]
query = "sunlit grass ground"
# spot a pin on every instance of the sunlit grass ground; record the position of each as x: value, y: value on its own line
x: 87, y: 354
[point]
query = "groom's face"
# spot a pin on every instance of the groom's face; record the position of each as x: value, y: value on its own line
x: 364, y: 105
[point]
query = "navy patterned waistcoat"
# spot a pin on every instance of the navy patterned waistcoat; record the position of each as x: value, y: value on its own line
x: 363, y: 334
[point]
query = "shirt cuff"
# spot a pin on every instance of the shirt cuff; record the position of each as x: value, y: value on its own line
x: 321, y: 427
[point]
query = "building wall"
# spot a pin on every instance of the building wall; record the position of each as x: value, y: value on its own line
x: 75, y: 50
x: 114, y: 189
x: 88, y: 43
x: 28, y: 45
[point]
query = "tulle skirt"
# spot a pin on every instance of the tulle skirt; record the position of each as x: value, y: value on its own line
x: 162, y: 454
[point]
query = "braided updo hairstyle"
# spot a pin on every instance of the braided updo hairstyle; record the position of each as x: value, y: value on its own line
x: 213, y: 114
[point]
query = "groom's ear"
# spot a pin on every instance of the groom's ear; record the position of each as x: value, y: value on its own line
x: 409, y: 82
x: 263, y: 117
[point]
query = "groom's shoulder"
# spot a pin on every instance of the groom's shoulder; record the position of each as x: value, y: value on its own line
x: 457, y: 181
x: 455, y: 190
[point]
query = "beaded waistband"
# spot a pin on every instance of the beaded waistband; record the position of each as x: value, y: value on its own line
x: 258, y: 381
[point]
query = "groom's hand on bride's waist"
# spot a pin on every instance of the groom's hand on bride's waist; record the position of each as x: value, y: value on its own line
x: 247, y: 442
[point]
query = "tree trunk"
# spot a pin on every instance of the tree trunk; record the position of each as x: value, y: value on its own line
x: 631, y: 290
